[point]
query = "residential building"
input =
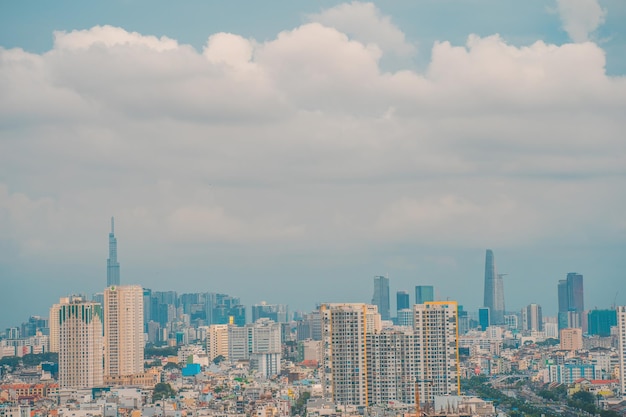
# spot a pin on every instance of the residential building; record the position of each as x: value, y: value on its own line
x: 80, y: 342
x: 436, y: 330
x: 217, y: 341
x: 123, y: 330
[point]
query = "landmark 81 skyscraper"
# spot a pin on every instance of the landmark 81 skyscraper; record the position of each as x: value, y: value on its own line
x: 113, y: 267
x: 494, y: 290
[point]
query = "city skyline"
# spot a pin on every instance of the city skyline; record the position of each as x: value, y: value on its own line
x: 313, y: 148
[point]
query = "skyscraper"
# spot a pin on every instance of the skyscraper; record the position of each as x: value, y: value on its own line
x: 402, y: 300
x: 381, y: 296
x: 436, y: 330
x: 532, y: 318
x: 494, y: 290
x: 621, y: 336
x: 79, y: 342
x: 344, y: 334
x: 123, y: 330
x: 113, y: 267
x: 424, y: 294
x: 571, y: 300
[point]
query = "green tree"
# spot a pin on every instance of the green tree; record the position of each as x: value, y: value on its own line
x: 162, y: 390
x: 218, y: 359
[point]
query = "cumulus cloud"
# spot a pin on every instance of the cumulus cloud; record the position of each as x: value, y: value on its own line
x: 365, y: 23
x: 580, y: 18
x: 302, y: 142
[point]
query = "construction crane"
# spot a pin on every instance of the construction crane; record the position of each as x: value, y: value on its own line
x: 418, y: 410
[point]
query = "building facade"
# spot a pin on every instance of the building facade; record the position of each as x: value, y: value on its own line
x: 494, y: 290
x: 381, y: 296
x: 436, y: 330
x: 80, y: 343
x: 123, y: 330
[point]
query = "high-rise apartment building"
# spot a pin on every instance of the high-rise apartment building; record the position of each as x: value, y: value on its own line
x: 113, y: 266
x: 494, y: 290
x: 258, y: 342
x: 621, y: 336
x: 345, y: 328
x: 79, y: 342
x: 424, y: 294
x: 53, y: 324
x: 364, y: 364
x: 436, y: 330
x: 123, y: 330
x: 381, y: 296
x: 217, y: 341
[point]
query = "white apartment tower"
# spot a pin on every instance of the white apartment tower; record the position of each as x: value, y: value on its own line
x: 621, y: 335
x: 258, y: 342
x: 123, y: 330
x: 53, y: 324
x: 392, y: 365
x: 345, y: 330
x: 80, y: 342
x: 436, y: 330
x: 217, y: 341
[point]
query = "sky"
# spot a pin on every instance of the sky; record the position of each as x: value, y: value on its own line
x: 290, y: 151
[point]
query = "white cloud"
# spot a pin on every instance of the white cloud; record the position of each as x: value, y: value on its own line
x: 308, y: 141
x: 365, y: 23
x: 580, y: 18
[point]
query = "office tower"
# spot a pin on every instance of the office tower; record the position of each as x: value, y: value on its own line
x: 484, y: 318
x: 621, y: 337
x: 310, y: 327
x: 275, y: 312
x: 123, y: 330
x: 436, y: 330
x: 113, y: 267
x: 424, y: 294
x: 258, y: 342
x: 531, y: 318
x: 405, y: 317
x: 402, y: 301
x: 571, y: 301
x: 381, y: 296
x: 600, y: 322
x: 345, y: 328
x: 494, y: 290
x: 217, y: 341
x: 79, y: 342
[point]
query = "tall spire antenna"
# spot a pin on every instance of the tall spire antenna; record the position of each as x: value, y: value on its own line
x: 112, y: 225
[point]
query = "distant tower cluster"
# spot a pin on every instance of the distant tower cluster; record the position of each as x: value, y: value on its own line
x: 113, y: 266
x: 494, y: 290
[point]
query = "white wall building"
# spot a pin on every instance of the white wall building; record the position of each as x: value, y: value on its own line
x: 80, y: 343
x: 123, y: 330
